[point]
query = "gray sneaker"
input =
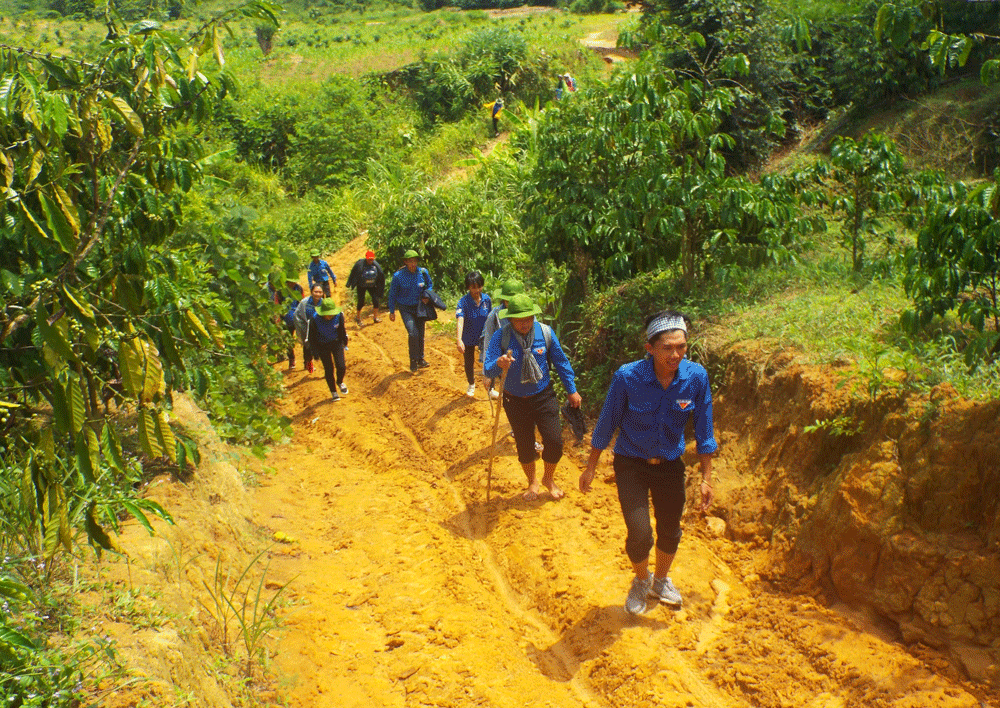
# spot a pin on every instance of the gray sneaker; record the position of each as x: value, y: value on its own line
x: 343, y: 389
x: 663, y: 589
x: 335, y: 397
x: 635, y: 603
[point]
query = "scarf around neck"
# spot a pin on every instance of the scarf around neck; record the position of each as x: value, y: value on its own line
x: 530, y: 371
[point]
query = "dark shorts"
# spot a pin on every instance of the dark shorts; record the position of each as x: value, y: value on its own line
x: 539, y: 411
x: 638, y: 481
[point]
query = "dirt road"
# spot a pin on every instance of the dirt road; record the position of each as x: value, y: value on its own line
x: 409, y: 590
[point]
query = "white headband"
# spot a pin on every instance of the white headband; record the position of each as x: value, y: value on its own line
x: 664, y: 324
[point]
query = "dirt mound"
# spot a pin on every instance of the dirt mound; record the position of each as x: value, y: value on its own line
x: 408, y: 589
x: 897, y: 512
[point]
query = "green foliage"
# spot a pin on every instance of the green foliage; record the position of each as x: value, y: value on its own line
x: 241, y: 602
x: 33, y: 673
x: 867, y: 179
x: 949, y: 33
x: 100, y: 155
x: 841, y: 426
x: 744, y: 46
x: 492, y: 59
x: 863, y: 71
x: 955, y: 264
x: 319, y: 137
x: 441, y: 89
x: 454, y: 227
x: 633, y: 179
x: 491, y: 62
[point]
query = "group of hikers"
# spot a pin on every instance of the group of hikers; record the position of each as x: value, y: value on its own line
x: 648, y: 404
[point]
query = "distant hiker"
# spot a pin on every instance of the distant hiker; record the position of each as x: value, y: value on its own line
x: 406, y: 290
x: 529, y: 397
x: 327, y: 340
x: 649, y: 403
x: 470, y: 316
x: 320, y: 272
x: 289, y: 297
x: 508, y: 289
x: 496, y: 108
x: 303, y: 317
x: 368, y: 277
x: 559, y: 86
x: 570, y: 82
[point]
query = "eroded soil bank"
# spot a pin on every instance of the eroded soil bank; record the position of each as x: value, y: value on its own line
x: 827, y: 575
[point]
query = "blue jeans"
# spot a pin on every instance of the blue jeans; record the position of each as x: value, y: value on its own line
x: 415, y: 333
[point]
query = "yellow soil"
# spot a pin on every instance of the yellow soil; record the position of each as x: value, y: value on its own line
x: 408, y: 589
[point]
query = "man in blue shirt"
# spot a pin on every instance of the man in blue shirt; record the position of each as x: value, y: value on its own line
x: 528, y: 395
x: 649, y: 403
x: 407, y: 287
x: 320, y: 272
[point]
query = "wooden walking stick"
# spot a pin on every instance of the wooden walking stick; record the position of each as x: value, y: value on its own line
x: 496, y: 424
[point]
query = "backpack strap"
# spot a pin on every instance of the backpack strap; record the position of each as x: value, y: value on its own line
x: 506, y: 330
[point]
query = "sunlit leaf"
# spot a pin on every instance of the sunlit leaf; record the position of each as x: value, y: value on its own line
x: 132, y: 121
x: 147, y: 433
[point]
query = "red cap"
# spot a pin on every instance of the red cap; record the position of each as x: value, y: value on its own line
x: 369, y: 254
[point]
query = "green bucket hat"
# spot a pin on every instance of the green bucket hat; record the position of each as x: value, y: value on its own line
x: 410, y: 254
x: 520, y: 305
x: 314, y: 254
x: 510, y: 288
x: 328, y: 306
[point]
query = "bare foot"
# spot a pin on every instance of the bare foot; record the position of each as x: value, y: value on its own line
x: 532, y: 493
x: 550, y: 483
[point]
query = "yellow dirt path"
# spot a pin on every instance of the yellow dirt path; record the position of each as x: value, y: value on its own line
x: 409, y: 590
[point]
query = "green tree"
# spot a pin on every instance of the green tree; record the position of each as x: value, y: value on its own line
x: 950, y: 33
x: 866, y: 178
x: 98, y: 156
x: 455, y: 228
x: 955, y: 264
x: 633, y: 180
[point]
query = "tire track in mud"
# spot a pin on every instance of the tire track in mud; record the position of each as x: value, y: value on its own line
x: 409, y: 590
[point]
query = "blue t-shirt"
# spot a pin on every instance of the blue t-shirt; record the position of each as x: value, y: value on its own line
x: 406, y: 287
x: 650, y: 419
x: 320, y: 272
x: 474, y: 316
x: 512, y: 384
x: 328, y: 330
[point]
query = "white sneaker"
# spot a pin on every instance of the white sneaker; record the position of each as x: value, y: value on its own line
x: 471, y: 391
x: 343, y: 389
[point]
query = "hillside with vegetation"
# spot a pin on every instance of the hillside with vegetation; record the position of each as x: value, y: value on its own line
x: 812, y: 183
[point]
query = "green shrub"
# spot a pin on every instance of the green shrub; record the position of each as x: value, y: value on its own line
x: 455, y: 228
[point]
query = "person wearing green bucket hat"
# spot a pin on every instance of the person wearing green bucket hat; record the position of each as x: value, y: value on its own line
x: 320, y: 272
x: 527, y: 350
x: 508, y: 289
x: 327, y: 341
x: 405, y: 291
